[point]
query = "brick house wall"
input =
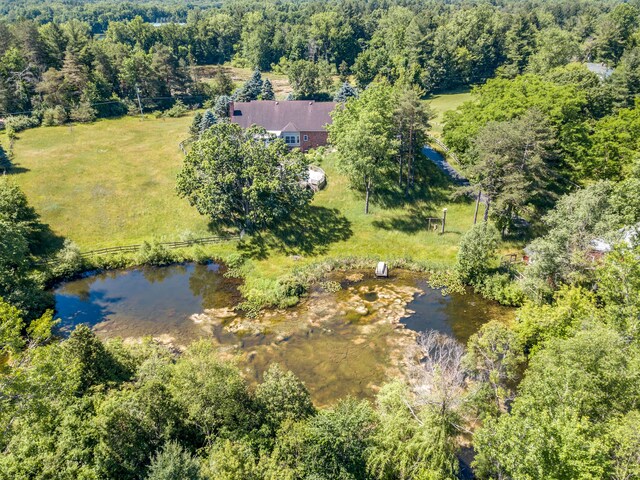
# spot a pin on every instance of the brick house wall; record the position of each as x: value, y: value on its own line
x: 315, y: 140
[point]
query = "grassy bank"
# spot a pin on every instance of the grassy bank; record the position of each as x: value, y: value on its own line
x: 444, y: 102
x: 112, y: 183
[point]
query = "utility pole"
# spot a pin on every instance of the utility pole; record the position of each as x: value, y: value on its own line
x: 475, y: 214
x: 139, y: 102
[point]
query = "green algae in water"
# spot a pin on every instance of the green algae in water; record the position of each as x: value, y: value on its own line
x: 339, y: 343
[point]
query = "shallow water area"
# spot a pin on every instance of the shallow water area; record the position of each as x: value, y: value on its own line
x: 345, y: 343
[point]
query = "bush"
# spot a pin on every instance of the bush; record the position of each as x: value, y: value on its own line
x: 115, y: 107
x: 501, y: 288
x: 18, y: 123
x: 54, y: 116
x: 133, y: 109
x: 83, y: 113
x: 69, y: 261
x: 477, y: 253
x: 154, y: 253
x: 179, y: 109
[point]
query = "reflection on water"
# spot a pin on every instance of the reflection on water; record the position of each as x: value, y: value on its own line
x: 145, y: 301
x: 459, y: 316
x: 344, y: 343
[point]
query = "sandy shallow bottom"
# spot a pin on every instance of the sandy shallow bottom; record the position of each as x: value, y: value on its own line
x: 348, y: 342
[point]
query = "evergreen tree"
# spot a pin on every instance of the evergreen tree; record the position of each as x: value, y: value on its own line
x: 221, y: 107
x: 267, y: 91
x: 345, y: 92
x: 208, y: 120
x: 251, y: 88
x: 174, y: 463
x: 194, y: 129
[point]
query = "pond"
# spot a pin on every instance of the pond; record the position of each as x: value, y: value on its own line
x: 344, y: 343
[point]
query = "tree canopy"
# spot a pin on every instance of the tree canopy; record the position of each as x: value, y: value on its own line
x: 246, y: 179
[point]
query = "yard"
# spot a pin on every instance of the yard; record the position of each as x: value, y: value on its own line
x: 112, y: 183
x: 444, y: 102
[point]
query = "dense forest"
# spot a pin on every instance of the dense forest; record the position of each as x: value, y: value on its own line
x: 549, y: 143
x: 84, y: 57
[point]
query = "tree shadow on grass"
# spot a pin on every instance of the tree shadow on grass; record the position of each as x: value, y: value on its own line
x: 47, y: 242
x: 7, y: 166
x: 310, y: 231
x: 432, y: 189
x: 415, y: 220
x: 430, y: 185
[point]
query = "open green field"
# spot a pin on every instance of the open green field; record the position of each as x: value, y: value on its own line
x: 444, y: 102
x: 112, y: 183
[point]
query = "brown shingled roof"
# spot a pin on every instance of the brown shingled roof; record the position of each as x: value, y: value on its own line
x: 280, y: 116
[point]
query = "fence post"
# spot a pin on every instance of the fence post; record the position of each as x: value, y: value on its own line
x: 444, y: 219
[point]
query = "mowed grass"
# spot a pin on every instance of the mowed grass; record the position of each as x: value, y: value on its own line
x: 107, y: 183
x: 444, y: 102
x: 113, y: 183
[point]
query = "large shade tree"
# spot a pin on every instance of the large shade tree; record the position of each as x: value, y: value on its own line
x: 511, y: 166
x: 364, y: 135
x: 243, y: 178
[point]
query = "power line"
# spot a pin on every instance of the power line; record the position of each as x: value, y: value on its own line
x: 110, y: 102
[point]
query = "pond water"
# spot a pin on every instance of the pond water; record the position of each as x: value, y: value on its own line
x: 344, y: 343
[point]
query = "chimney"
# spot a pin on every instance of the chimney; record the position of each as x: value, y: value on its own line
x: 231, y: 108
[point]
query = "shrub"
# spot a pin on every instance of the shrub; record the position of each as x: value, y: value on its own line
x: 115, y: 107
x: 133, y: 109
x: 501, y: 288
x: 69, y: 261
x: 477, y: 253
x: 179, y: 109
x: 154, y: 253
x: 18, y: 123
x: 83, y: 113
x: 54, y: 116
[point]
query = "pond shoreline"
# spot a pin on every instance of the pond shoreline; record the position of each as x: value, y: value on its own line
x: 345, y: 342
x: 291, y: 287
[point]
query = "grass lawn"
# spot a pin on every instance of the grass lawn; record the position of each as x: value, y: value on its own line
x: 107, y: 183
x: 443, y: 103
x: 112, y: 183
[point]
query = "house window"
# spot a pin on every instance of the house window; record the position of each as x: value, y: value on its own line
x: 306, y: 138
x: 292, y: 139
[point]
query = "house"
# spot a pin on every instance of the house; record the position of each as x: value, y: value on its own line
x: 301, y: 123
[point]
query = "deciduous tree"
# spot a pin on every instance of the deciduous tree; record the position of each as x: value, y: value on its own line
x: 243, y: 178
x: 364, y: 135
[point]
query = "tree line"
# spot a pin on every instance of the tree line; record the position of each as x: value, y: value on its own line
x: 85, y: 57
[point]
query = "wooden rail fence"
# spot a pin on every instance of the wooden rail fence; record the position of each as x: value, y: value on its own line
x: 447, y: 150
x: 169, y: 245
